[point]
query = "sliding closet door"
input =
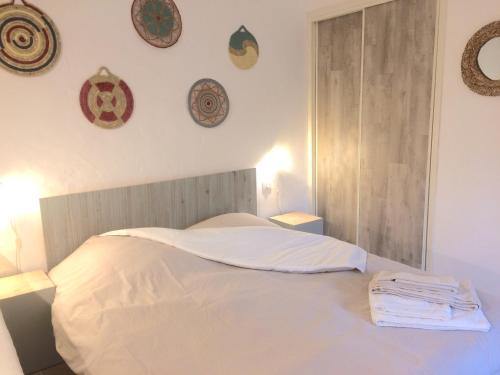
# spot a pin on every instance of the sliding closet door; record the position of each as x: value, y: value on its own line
x: 338, y: 107
x: 395, y: 131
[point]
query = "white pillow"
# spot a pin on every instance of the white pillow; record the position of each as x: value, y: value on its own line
x: 234, y: 220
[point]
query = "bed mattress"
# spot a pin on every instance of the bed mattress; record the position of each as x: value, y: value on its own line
x: 133, y: 306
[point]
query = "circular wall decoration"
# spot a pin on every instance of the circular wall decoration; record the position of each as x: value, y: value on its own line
x: 158, y: 22
x: 243, y: 49
x: 29, y: 40
x: 472, y: 73
x: 208, y: 103
x: 106, y: 100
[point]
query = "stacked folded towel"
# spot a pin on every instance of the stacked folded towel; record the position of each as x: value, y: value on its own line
x: 428, y: 302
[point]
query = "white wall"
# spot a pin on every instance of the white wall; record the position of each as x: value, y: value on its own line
x: 46, y: 139
x: 466, y: 220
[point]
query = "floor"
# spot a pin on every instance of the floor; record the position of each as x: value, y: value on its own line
x: 61, y: 369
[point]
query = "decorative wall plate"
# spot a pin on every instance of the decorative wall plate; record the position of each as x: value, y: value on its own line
x: 472, y: 73
x: 158, y: 22
x: 208, y: 103
x: 106, y: 100
x: 29, y: 40
x: 243, y: 49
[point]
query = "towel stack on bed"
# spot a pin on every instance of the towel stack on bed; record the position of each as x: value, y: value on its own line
x: 425, y: 302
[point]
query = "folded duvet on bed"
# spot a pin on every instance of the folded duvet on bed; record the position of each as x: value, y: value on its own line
x: 260, y: 248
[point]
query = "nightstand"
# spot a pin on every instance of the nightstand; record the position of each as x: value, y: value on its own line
x: 25, y: 301
x: 299, y: 221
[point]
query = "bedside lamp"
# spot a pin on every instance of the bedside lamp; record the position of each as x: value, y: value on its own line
x: 277, y: 161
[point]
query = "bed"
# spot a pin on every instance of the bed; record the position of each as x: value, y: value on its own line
x: 130, y: 305
x: 9, y: 362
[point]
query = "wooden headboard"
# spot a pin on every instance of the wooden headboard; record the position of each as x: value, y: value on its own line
x: 68, y: 221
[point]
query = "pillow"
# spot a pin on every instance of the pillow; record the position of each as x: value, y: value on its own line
x: 234, y: 220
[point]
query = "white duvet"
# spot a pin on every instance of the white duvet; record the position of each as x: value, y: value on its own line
x: 9, y: 363
x: 131, y: 306
x: 260, y: 248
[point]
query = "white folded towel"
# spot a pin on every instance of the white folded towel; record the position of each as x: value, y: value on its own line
x: 426, y: 288
x: 408, y: 308
x: 445, y: 284
x: 460, y: 321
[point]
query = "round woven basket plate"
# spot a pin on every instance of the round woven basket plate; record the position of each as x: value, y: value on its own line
x: 29, y: 40
x: 243, y: 49
x: 106, y: 100
x: 158, y: 22
x: 208, y: 103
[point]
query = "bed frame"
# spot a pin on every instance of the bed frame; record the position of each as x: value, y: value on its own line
x: 70, y: 220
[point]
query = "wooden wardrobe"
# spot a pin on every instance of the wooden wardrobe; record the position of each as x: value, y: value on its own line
x: 374, y: 95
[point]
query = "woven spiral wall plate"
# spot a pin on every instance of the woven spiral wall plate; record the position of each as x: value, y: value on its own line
x: 29, y: 40
x: 472, y: 73
x: 106, y: 100
x: 208, y: 103
x: 158, y: 22
x: 243, y: 49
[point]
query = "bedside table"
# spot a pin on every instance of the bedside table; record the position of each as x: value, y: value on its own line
x: 25, y: 301
x: 299, y: 221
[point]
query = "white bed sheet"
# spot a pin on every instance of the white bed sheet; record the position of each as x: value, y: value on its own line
x: 9, y: 362
x: 133, y: 306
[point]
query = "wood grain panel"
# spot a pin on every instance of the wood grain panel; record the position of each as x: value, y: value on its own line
x: 70, y: 220
x: 338, y: 101
x: 397, y: 93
